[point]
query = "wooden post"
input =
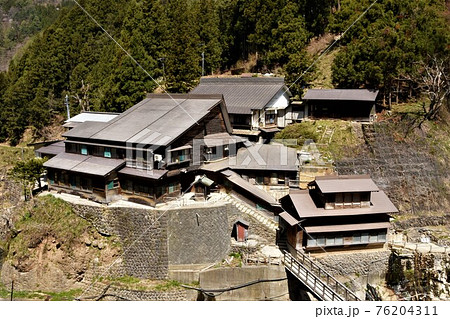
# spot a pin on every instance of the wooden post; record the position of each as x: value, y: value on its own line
x: 12, y: 289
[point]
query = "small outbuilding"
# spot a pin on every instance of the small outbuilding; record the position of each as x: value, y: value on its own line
x: 351, y: 104
x: 336, y: 213
x: 240, y: 230
x: 202, y: 187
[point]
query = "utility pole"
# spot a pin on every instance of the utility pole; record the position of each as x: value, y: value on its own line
x: 203, y: 57
x: 203, y: 63
x: 67, y: 107
x: 163, y: 70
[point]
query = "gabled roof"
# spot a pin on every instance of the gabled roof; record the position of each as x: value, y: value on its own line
x: 305, y: 206
x: 157, y: 120
x: 345, y: 184
x: 242, y: 95
x: 289, y: 219
x: 341, y: 95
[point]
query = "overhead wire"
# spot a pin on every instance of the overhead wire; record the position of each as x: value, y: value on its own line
x: 133, y: 59
x: 326, y: 50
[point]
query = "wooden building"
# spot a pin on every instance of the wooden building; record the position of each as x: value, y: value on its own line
x: 201, y: 187
x: 268, y: 165
x: 154, y: 151
x: 146, y: 154
x: 336, y: 213
x: 257, y: 105
x: 350, y: 104
x: 240, y: 230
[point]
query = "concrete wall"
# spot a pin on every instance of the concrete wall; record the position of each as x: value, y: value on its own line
x: 228, y: 277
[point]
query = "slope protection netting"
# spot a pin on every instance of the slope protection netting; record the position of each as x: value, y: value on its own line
x: 406, y: 170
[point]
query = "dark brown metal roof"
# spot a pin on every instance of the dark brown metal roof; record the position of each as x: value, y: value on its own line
x: 305, y: 206
x: 289, y: 219
x: 242, y: 95
x: 345, y: 184
x: 347, y: 227
x: 341, y: 95
x: 216, y: 166
x: 219, y: 139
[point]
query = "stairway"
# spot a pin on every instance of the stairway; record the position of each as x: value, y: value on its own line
x: 247, y: 209
x: 327, y: 136
x: 324, y: 286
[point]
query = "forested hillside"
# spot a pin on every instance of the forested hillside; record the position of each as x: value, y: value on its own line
x: 74, y: 56
x: 21, y: 20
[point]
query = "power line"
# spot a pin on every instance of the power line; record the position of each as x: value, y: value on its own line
x: 335, y: 41
x: 131, y: 57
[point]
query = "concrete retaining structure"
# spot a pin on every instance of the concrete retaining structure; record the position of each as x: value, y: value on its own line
x: 229, y: 277
x: 358, y: 268
x: 102, y: 292
x: 154, y: 238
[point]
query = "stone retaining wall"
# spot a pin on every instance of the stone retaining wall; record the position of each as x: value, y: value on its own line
x: 143, y: 235
x: 191, y: 235
x: 198, y: 236
x: 355, y: 263
x: 115, y: 293
x: 255, y: 227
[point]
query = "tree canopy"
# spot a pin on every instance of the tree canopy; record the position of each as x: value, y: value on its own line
x: 74, y: 56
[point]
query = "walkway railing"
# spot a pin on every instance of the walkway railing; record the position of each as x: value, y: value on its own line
x: 320, y: 282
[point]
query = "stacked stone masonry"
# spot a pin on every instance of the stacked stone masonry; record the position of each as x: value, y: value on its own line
x: 103, y: 292
x: 152, y: 239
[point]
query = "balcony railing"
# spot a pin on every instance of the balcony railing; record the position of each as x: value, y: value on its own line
x: 139, y: 164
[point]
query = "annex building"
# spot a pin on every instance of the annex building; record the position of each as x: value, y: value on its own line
x: 256, y: 105
x: 336, y: 212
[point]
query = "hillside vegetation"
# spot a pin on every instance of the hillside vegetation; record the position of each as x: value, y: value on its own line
x: 75, y: 56
x: 410, y: 164
x: 21, y: 20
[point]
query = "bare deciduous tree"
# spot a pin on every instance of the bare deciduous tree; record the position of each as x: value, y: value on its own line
x: 433, y: 80
x: 83, y: 97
